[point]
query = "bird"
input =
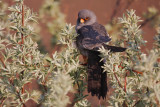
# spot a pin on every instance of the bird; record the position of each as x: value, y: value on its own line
x: 91, y: 37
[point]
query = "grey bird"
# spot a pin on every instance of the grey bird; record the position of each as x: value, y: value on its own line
x: 92, y: 36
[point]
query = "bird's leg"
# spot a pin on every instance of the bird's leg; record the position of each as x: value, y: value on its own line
x: 84, y: 60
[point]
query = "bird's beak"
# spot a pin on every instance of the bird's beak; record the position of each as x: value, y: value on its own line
x: 82, y: 20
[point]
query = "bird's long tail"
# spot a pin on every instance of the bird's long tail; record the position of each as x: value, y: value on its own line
x: 97, y: 79
x: 114, y: 48
x: 111, y: 48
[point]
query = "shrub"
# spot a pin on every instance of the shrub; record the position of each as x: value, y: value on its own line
x: 134, y: 75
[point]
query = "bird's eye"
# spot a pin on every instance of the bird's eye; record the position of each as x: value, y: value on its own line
x: 87, y: 18
x: 83, y: 20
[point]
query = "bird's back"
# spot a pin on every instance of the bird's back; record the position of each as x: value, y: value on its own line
x: 91, y: 36
x: 95, y: 31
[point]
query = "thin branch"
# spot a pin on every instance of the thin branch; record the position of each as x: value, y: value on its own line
x: 23, y: 89
x: 22, y: 41
x: 125, y: 83
x: 1, y: 105
x: 78, y: 85
x: 2, y: 62
x: 148, y: 20
x: 115, y: 9
x: 138, y: 72
x: 21, y: 99
x: 117, y: 80
x: 136, y: 103
x: 22, y: 38
x: 46, y: 65
x: 124, y: 104
x: 44, y: 82
x: 128, y: 4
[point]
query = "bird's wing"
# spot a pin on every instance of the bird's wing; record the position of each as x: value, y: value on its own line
x: 93, y: 36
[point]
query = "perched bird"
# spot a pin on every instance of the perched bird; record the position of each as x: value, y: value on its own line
x: 92, y: 36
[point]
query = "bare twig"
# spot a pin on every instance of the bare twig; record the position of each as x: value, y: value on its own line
x: 125, y: 83
x: 78, y: 85
x: 2, y: 62
x: 148, y: 20
x: 22, y: 41
x: 22, y: 38
x: 115, y: 9
x: 21, y: 99
x: 2, y: 100
x: 128, y: 4
x: 138, y: 72
x: 117, y: 80
x: 44, y: 82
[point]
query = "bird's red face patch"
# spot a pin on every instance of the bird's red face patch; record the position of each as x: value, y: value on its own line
x: 87, y: 18
x: 84, y: 20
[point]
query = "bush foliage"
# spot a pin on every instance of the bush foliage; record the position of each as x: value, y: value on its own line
x: 134, y: 75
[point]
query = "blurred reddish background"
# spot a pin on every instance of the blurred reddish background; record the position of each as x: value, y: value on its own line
x: 105, y: 11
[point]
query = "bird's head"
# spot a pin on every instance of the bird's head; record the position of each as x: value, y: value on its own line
x: 85, y: 17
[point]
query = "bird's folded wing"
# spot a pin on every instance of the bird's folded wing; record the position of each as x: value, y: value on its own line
x: 90, y: 44
x: 94, y: 45
x: 92, y: 38
x: 114, y: 48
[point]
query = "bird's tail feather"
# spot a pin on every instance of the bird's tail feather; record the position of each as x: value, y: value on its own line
x: 114, y: 48
x: 97, y: 79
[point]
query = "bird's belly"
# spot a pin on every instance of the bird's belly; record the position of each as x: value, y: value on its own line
x: 83, y: 51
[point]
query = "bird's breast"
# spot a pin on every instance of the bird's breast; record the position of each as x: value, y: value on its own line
x: 80, y: 47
